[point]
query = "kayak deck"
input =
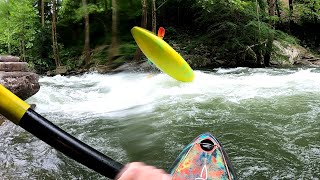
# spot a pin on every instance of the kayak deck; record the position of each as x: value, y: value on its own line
x: 203, y: 159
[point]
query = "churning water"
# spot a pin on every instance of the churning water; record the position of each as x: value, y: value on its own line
x: 267, y: 119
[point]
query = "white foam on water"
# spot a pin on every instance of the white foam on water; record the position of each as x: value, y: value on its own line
x: 98, y: 93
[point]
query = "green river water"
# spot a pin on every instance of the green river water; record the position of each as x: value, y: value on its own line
x: 267, y: 119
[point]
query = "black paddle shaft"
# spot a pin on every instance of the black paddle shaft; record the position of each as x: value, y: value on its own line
x: 69, y: 145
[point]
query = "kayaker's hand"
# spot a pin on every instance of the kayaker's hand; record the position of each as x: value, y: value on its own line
x: 141, y: 171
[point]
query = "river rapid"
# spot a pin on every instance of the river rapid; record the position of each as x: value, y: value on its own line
x: 268, y: 121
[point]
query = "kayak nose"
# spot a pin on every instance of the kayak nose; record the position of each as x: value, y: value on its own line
x: 203, y: 158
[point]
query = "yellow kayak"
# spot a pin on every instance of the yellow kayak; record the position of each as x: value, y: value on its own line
x: 162, y: 55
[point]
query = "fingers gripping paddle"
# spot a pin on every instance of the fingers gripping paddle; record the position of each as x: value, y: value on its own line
x: 20, y: 113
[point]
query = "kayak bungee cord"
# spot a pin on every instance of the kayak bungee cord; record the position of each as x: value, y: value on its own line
x: 20, y: 113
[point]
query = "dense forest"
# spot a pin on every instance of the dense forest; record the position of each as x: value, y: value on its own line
x: 208, y: 33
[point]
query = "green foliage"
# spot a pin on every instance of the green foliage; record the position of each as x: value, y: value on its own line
x: 73, y: 11
x: 18, y: 22
x: 282, y: 36
x: 305, y: 22
x: 131, y: 9
x: 40, y: 53
x: 128, y: 49
x: 228, y: 29
x: 67, y: 11
x: 234, y: 26
x: 100, y: 54
x: 309, y: 10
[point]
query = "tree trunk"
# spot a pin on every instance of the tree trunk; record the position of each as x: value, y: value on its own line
x: 54, y: 35
x: 290, y: 7
x: 86, y: 49
x: 23, y: 48
x: 278, y: 10
x: 23, y: 44
x: 154, y: 17
x: 20, y: 49
x: 42, y: 13
x: 144, y: 20
x: 178, y: 15
x: 9, y: 44
x: 258, y: 51
x: 260, y: 60
x: 113, y: 50
x: 315, y: 21
x: 271, y: 8
x: 267, y: 55
x: 290, y: 14
x: 107, y: 6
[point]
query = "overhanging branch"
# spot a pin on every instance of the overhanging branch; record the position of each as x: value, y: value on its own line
x: 161, y: 5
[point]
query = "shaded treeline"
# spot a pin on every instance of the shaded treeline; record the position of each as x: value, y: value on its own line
x: 86, y: 33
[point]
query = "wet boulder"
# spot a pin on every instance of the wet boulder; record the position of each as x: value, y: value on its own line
x: 22, y: 84
x: 13, y: 66
x: 15, y: 76
x: 9, y: 58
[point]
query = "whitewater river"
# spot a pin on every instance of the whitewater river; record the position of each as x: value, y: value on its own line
x: 267, y: 119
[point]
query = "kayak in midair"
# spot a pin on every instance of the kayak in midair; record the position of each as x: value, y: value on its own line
x: 162, y: 55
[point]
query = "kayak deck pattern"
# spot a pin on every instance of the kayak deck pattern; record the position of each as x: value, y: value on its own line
x: 203, y: 159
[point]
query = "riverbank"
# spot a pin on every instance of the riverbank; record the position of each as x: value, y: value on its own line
x: 285, y: 56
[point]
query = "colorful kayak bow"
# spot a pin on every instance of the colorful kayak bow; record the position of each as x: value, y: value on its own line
x: 203, y: 159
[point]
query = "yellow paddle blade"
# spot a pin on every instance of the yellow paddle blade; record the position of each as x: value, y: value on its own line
x: 11, y: 106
